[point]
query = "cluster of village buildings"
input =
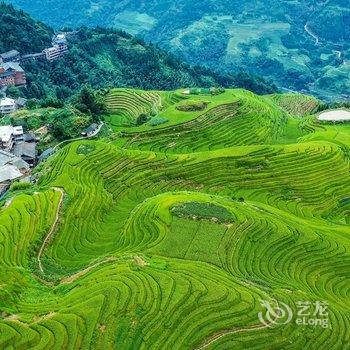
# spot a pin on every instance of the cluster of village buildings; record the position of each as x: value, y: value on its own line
x: 18, y: 150
x: 18, y: 155
x: 12, y: 74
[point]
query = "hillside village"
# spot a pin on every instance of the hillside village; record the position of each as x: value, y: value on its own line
x: 18, y: 153
x: 12, y: 74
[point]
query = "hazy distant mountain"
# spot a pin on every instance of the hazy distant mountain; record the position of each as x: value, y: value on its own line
x: 301, y: 45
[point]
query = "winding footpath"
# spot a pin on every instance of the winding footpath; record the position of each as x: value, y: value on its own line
x: 223, y: 333
x: 314, y: 36
x: 57, y: 217
x: 52, y: 230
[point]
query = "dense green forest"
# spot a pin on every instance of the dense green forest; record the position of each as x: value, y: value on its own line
x: 106, y: 58
x: 21, y: 32
x: 300, y: 45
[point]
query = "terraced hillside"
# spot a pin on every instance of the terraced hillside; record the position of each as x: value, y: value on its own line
x: 296, y: 104
x: 169, y: 236
x: 126, y: 105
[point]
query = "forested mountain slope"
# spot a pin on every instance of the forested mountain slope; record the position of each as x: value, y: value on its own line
x: 105, y: 58
x: 18, y: 31
x: 301, y: 45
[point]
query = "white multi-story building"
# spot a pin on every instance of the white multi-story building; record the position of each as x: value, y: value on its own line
x: 57, y: 51
x: 7, y: 105
x: 9, y: 135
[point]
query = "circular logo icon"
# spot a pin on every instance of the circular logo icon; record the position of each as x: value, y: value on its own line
x: 277, y: 314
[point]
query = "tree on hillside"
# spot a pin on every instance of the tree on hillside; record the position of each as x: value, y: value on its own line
x: 254, y: 83
x: 142, y: 119
x: 52, y: 102
x: 13, y: 92
x: 89, y: 102
x: 66, y: 124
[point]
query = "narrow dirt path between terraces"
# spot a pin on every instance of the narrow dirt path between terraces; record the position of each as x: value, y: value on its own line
x: 225, y: 332
x: 52, y: 230
x: 72, y: 278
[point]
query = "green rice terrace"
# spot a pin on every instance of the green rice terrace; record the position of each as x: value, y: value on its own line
x: 170, y: 231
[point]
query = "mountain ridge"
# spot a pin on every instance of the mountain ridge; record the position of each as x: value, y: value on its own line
x: 104, y: 58
x: 267, y: 38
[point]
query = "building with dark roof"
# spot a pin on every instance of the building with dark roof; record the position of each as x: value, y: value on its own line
x: 30, y: 137
x: 26, y: 151
x: 10, y: 56
x: 6, y: 78
x: 46, y: 154
x: 21, y: 102
x: 89, y: 130
x: 11, y: 167
x: 12, y: 66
